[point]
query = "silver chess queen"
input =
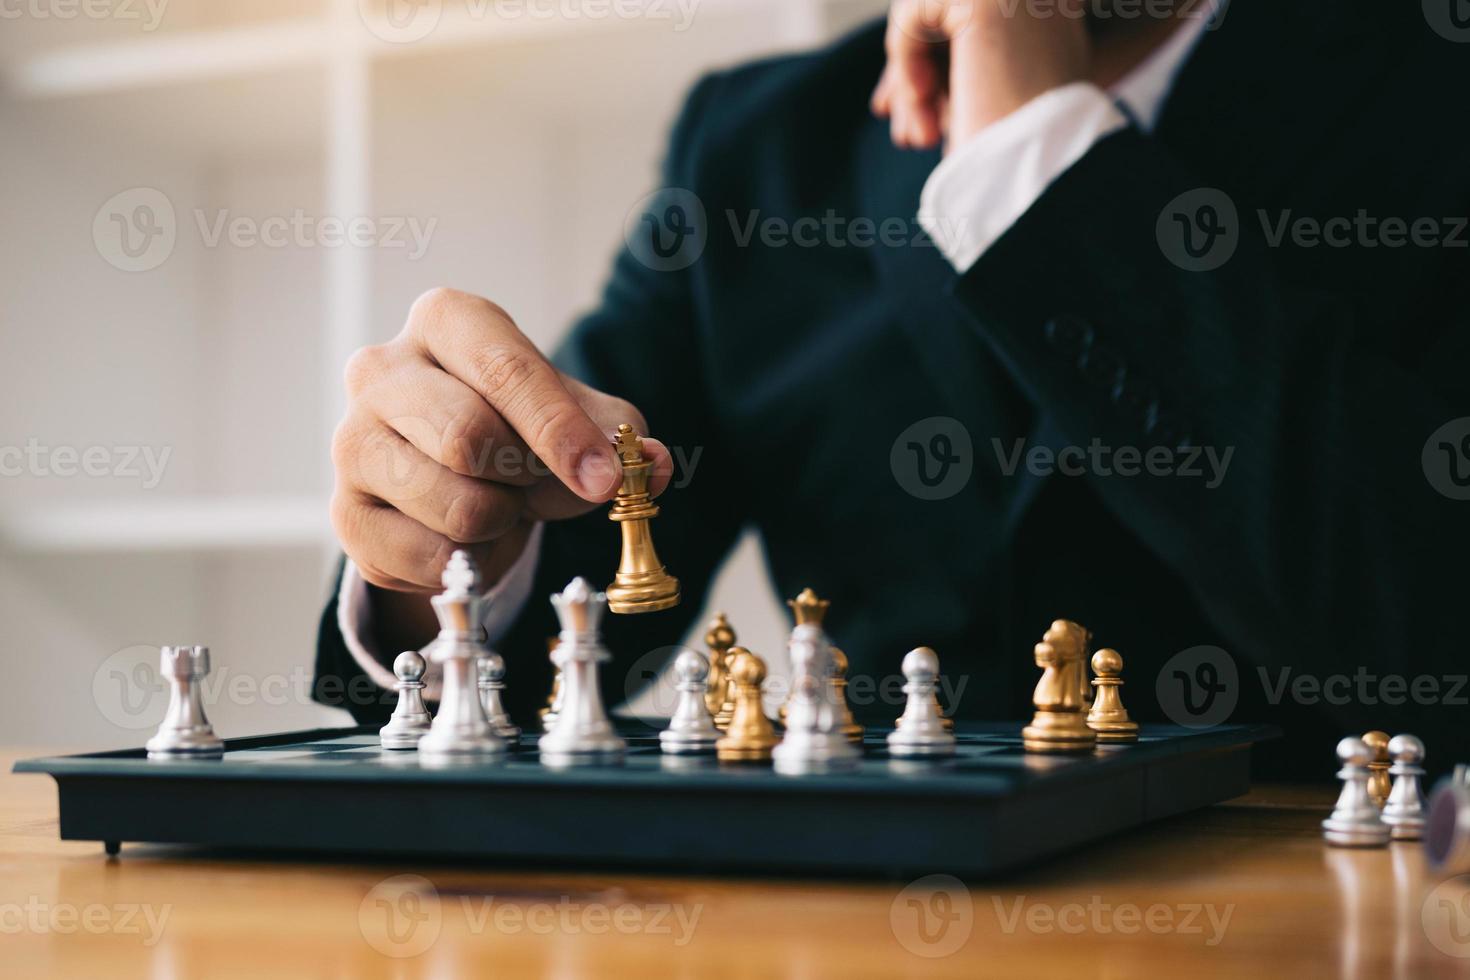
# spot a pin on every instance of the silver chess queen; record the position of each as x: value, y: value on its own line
x: 582, y: 733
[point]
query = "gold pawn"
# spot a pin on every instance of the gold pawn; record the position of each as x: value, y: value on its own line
x: 750, y: 735
x: 847, y: 723
x: 1059, y: 724
x: 1108, y: 717
x: 719, y: 639
x: 641, y: 584
x: 1380, y: 783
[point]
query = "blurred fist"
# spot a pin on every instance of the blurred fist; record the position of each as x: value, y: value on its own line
x: 460, y: 434
x: 956, y: 66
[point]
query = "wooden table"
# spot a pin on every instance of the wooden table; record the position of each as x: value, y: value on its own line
x: 1246, y: 889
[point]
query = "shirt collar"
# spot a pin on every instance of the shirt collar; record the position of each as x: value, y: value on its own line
x: 1143, y: 91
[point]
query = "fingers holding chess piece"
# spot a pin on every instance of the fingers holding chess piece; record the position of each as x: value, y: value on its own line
x: 750, y: 736
x: 1059, y: 724
x: 1404, y: 810
x: 410, y: 719
x: 921, y: 732
x: 719, y: 638
x: 185, y: 732
x: 692, y: 729
x: 491, y: 669
x: 1108, y: 717
x: 1355, y: 820
x: 641, y: 584
x: 1380, y: 784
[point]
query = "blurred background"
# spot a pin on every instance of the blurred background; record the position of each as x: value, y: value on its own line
x: 208, y: 205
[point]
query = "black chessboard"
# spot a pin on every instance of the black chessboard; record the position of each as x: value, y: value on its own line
x: 335, y: 791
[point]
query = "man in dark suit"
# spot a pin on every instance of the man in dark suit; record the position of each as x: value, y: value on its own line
x: 1000, y: 313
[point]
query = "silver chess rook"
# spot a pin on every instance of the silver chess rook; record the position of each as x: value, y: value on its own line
x: 185, y: 732
x: 582, y: 734
x: 460, y: 728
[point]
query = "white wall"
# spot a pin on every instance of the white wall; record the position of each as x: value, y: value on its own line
x: 527, y: 154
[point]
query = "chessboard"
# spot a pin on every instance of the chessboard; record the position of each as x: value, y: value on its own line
x: 990, y: 807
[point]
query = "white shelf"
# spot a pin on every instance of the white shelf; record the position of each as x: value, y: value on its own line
x: 167, y: 524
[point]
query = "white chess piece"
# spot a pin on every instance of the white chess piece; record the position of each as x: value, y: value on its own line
x: 920, y: 732
x: 410, y: 720
x: 1404, y: 811
x: 583, y: 733
x: 691, y: 730
x: 1355, y: 821
x: 185, y: 732
x: 491, y: 669
x: 814, y: 740
x: 460, y: 728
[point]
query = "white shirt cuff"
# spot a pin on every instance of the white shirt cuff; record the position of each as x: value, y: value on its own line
x: 506, y: 600
x: 985, y: 184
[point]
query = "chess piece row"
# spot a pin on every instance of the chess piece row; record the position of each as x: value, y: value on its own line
x: 1075, y: 713
x: 1382, y: 795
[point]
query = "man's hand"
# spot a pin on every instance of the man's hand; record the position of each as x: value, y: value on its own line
x: 956, y: 66
x: 459, y: 433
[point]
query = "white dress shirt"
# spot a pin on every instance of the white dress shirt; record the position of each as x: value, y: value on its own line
x: 970, y: 200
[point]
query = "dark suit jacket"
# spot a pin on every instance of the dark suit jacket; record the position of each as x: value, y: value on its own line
x: 1325, y: 552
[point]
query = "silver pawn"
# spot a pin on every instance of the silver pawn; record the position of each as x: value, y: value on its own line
x: 1355, y: 821
x: 920, y: 732
x: 691, y: 730
x: 814, y: 740
x: 1404, y: 811
x: 185, y: 732
x: 410, y: 719
x: 583, y: 734
x: 492, y: 682
x: 460, y: 728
